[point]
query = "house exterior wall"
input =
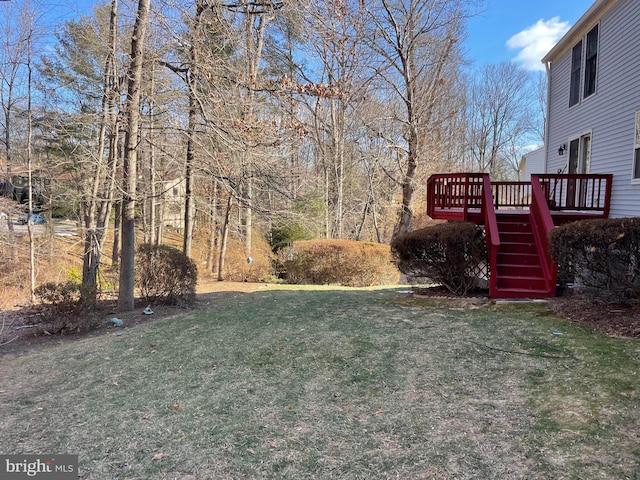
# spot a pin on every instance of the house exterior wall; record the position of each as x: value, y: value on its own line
x: 532, y: 162
x: 172, y: 203
x: 608, y: 115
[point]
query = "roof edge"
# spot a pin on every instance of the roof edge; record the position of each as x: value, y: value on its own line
x: 576, y: 31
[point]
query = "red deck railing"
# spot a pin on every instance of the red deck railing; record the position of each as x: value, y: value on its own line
x: 541, y: 225
x: 547, y: 199
x: 578, y: 192
x: 456, y: 195
x: 515, y: 195
x: 491, y: 232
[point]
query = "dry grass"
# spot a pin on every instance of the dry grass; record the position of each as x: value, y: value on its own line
x: 334, y: 384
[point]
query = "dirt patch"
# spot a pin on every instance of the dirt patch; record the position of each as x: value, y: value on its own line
x: 615, y: 319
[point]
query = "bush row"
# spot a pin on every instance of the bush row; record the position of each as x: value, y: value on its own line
x: 342, y: 262
x: 163, y: 274
x: 601, y: 255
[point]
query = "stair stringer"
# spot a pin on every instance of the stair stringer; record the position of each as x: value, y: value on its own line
x: 549, y: 267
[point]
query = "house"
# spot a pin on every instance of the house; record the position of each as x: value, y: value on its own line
x: 532, y: 162
x: 171, y: 204
x: 593, y: 108
x: 591, y: 155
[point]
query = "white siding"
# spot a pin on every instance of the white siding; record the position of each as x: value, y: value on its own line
x: 609, y: 115
x: 532, y: 162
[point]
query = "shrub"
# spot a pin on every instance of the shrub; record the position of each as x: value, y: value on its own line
x: 63, y: 309
x: 165, y: 275
x: 343, y: 262
x: 602, y: 255
x: 448, y: 253
x: 68, y: 296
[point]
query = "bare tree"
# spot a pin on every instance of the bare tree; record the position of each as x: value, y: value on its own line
x: 536, y: 123
x: 12, y: 60
x: 417, y: 42
x: 103, y: 183
x: 336, y: 37
x: 498, y: 112
x: 126, y: 293
x: 29, y: 29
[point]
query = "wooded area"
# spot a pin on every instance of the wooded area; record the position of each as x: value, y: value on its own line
x: 240, y: 118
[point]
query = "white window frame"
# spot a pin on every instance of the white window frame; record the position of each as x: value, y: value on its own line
x: 586, y: 59
x: 583, y: 68
x: 575, y: 87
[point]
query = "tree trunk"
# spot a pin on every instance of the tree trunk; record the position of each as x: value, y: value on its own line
x: 189, y: 207
x: 249, y: 217
x: 117, y: 234
x: 223, y: 240
x: 213, y: 235
x: 153, y: 238
x: 126, y: 293
x: 95, y: 228
x: 337, y: 128
x: 32, y: 248
x: 191, y: 80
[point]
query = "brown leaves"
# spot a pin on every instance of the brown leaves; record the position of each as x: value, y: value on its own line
x: 321, y: 90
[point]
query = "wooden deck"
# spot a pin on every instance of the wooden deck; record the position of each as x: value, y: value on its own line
x: 517, y: 218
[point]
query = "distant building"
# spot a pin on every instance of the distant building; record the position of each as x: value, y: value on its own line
x: 171, y: 203
x: 532, y: 162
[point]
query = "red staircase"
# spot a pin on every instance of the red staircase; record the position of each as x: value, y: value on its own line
x: 519, y: 271
x: 517, y: 217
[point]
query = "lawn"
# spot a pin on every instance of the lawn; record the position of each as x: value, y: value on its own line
x: 329, y: 384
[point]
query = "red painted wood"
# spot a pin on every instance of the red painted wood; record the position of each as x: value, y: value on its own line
x: 518, y: 217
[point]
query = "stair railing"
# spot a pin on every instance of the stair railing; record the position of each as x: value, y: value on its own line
x: 542, y: 224
x: 491, y: 233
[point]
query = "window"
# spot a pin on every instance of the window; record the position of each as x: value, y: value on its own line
x: 584, y: 64
x: 576, y: 66
x: 591, y: 62
x: 636, y: 149
x: 580, y: 154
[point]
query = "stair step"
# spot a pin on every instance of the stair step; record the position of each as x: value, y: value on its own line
x: 514, y: 227
x: 518, y: 270
x: 512, y: 216
x: 517, y: 237
x: 521, y: 293
x: 509, y: 258
x: 521, y: 282
x: 518, y: 248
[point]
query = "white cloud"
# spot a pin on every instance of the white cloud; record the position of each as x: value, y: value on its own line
x: 535, y: 42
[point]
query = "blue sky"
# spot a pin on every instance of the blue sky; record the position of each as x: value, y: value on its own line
x: 520, y: 30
